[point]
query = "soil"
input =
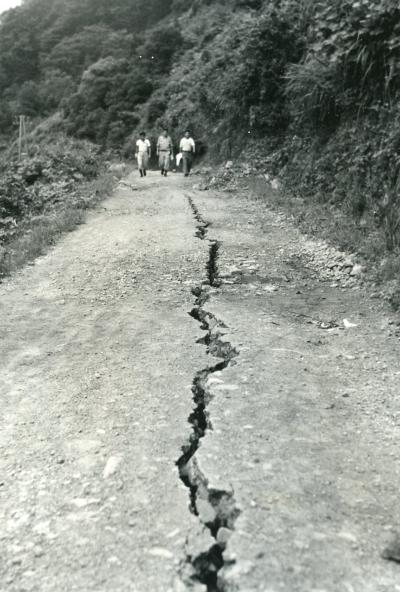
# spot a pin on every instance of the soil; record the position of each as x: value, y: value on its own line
x: 188, y: 404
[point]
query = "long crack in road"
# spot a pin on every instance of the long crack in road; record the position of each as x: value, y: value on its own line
x: 183, y: 409
x: 215, y: 508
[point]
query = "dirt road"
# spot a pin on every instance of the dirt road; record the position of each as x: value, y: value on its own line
x: 182, y: 408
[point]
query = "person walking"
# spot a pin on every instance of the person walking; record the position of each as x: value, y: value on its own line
x: 165, y: 152
x: 143, y: 152
x: 187, y: 148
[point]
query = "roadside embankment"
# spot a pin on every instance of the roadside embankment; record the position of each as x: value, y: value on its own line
x: 47, y: 194
x: 350, y: 247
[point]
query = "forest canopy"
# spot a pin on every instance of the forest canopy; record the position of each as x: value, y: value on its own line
x: 313, y: 85
x: 227, y: 69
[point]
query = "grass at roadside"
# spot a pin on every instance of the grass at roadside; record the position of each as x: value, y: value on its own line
x: 325, y: 221
x: 36, y: 234
x: 49, y: 191
x: 364, y: 236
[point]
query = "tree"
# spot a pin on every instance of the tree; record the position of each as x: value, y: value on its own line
x: 56, y: 87
x: 76, y: 53
x: 106, y: 99
x: 160, y: 46
x: 29, y: 99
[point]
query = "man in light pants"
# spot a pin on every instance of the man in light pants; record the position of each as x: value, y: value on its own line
x: 143, y: 147
x: 187, y: 148
x: 165, y: 152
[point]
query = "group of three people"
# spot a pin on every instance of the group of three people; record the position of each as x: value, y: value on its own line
x: 165, y: 152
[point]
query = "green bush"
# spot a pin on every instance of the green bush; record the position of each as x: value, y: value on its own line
x: 47, y: 177
x: 352, y: 61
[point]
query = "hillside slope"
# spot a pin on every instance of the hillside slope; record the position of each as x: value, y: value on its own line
x: 314, y: 85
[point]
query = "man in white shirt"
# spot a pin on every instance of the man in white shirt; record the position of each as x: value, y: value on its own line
x: 165, y: 152
x: 143, y: 148
x: 187, y: 148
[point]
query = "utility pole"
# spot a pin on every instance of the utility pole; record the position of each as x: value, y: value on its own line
x: 22, y: 139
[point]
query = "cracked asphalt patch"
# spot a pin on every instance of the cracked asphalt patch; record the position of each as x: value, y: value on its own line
x: 183, y: 409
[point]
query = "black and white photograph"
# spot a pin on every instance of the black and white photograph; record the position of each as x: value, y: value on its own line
x: 199, y: 296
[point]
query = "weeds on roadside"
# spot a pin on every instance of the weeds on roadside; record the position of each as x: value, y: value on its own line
x: 46, y: 195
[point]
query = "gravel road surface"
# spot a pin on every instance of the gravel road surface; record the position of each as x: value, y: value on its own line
x: 185, y: 404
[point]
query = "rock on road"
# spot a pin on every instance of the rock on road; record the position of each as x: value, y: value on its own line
x: 182, y: 408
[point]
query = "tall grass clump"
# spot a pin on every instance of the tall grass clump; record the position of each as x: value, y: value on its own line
x: 46, y: 194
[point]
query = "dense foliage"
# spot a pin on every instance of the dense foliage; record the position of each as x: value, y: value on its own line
x: 320, y: 79
x: 48, y: 179
x: 49, y: 47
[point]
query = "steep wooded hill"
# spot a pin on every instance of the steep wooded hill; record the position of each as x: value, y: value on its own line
x: 318, y: 83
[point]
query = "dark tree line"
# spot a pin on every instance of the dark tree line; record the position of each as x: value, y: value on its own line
x: 51, y: 51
